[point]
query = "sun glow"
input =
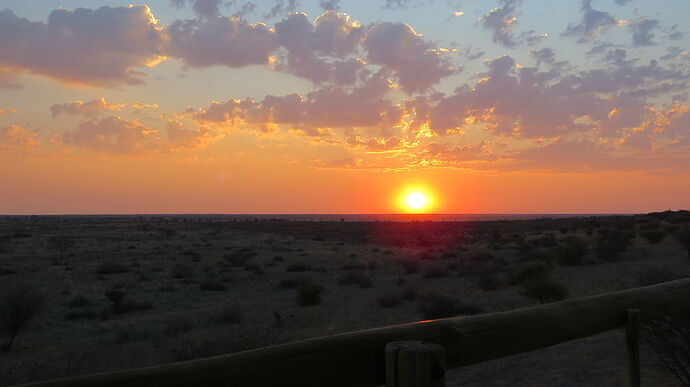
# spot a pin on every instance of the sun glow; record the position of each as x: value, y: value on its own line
x: 416, y: 201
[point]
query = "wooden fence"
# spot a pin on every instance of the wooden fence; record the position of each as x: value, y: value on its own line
x: 365, y: 358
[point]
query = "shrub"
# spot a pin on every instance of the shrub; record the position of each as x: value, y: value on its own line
x: 410, y: 267
x: 111, y: 268
x: 669, y: 338
x: 299, y: 267
x: 212, y: 285
x: 120, y: 304
x: 571, y: 252
x: 544, y: 288
x: 388, y: 301
x: 79, y: 301
x: 308, y: 293
x: 239, y: 257
x: 434, y: 304
x: 355, y: 277
x: 489, y: 281
x: 182, y: 271
x: 177, y: 324
x: 611, y: 243
x: 19, y: 304
x: 434, y: 271
x: 653, y: 236
x: 228, y: 314
x: 530, y: 270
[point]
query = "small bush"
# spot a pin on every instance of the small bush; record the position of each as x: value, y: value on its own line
x: 299, y: 267
x: 182, y: 271
x: 611, y: 243
x: 434, y: 271
x: 239, y: 257
x: 489, y: 281
x: 111, y: 268
x: 177, y: 324
x: 434, y: 304
x: 388, y: 301
x: 544, y: 289
x: 355, y: 277
x: 654, y: 236
x: 79, y: 301
x: 228, y: 314
x: 212, y: 285
x: 571, y: 252
x: 308, y: 293
x: 19, y: 304
x: 410, y: 267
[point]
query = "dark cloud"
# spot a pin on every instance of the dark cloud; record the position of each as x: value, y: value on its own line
x: 282, y: 8
x: 91, y: 108
x: 643, y: 31
x: 593, y: 22
x: 330, y: 5
x: 500, y: 22
x: 203, y: 8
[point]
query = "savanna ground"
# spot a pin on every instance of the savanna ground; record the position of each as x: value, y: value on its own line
x: 119, y: 292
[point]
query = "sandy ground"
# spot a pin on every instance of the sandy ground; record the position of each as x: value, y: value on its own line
x: 198, y: 286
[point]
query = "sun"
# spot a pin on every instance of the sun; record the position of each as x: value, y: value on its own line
x: 416, y: 201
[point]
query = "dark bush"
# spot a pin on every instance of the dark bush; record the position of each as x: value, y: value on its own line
x: 212, y: 285
x: 611, y: 243
x: 544, y: 289
x: 355, y: 278
x: 571, y: 252
x: 111, y: 268
x: 239, y: 257
x: 388, y: 301
x: 19, y: 304
x: 434, y: 304
x: 299, y: 267
x: 182, y: 271
x: 653, y: 236
x: 228, y: 314
x: 434, y: 271
x: 308, y: 293
x: 489, y: 281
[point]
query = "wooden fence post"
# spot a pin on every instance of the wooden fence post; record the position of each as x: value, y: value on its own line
x: 415, y: 364
x: 632, y: 341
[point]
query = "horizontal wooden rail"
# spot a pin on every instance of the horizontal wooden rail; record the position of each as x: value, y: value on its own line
x: 358, y: 358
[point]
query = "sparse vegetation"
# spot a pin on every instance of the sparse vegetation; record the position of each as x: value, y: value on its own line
x: 19, y: 304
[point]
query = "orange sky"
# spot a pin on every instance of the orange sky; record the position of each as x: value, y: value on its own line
x: 342, y: 107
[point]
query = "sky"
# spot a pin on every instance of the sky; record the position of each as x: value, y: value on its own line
x: 326, y: 106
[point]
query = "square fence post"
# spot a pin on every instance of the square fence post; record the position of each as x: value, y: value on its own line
x: 415, y: 364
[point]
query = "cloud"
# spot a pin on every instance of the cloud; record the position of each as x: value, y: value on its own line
x: 282, y: 7
x: 182, y: 138
x: 643, y: 31
x: 500, y: 22
x: 16, y: 138
x: 322, y: 51
x: 10, y: 111
x: 114, y: 135
x: 227, y: 41
x: 8, y: 79
x: 100, y: 47
x: 415, y: 62
x: 203, y: 8
x: 316, y: 114
x: 330, y: 5
x: 593, y: 22
x: 91, y: 108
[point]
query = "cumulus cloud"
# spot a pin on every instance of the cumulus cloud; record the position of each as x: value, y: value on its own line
x: 315, y: 114
x: 643, y: 31
x: 500, y: 22
x: 114, y: 135
x: 415, y: 62
x: 593, y: 22
x: 91, y: 108
x: 100, y: 47
x: 203, y: 8
x: 319, y: 51
x: 15, y: 137
x: 227, y: 41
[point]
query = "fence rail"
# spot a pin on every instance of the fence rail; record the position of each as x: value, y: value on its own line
x: 358, y: 358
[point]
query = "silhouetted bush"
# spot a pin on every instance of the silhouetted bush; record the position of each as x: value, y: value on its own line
x: 228, y: 314
x: 355, y: 277
x: 111, y: 268
x: 239, y: 257
x: 308, y: 293
x: 182, y: 271
x: 669, y: 338
x: 489, y: 281
x: 388, y: 301
x: 544, y: 289
x: 120, y: 304
x: 19, y: 304
x: 212, y: 285
x: 571, y: 252
x: 653, y: 236
x: 299, y: 267
x: 434, y: 304
x: 611, y: 243
x: 434, y: 271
